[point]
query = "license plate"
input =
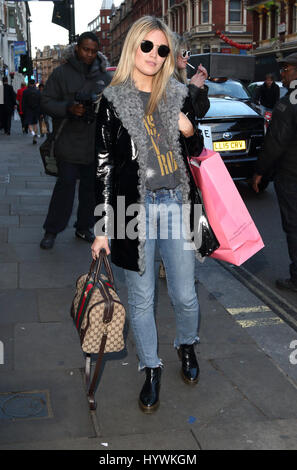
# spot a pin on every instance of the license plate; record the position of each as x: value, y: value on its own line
x: 232, y: 145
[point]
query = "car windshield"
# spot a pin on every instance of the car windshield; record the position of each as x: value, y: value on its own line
x: 225, y: 108
x: 228, y: 88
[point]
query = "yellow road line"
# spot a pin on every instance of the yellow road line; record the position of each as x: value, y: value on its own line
x: 260, y: 322
x: 256, y: 309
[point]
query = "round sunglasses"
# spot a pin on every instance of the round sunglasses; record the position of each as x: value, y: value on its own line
x: 185, y: 53
x: 146, y: 46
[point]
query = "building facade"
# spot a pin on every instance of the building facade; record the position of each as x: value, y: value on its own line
x: 275, y: 27
x: 199, y: 20
x: 46, y: 61
x: 101, y: 27
x: 274, y: 34
x: 14, y: 27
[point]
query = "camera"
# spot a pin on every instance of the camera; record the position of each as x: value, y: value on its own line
x: 88, y: 100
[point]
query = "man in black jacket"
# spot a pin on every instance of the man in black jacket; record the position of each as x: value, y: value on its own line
x: 268, y: 94
x: 8, y: 106
x: 69, y: 98
x: 280, y: 159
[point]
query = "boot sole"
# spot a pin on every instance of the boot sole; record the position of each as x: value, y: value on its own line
x: 187, y: 381
x: 148, y: 409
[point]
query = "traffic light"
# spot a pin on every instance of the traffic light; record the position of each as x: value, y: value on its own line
x: 23, y: 68
x: 25, y: 64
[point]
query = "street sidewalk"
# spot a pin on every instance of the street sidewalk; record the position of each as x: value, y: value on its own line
x: 246, y: 397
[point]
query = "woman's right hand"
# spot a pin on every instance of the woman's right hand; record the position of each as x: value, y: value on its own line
x: 98, y: 244
x: 185, y: 125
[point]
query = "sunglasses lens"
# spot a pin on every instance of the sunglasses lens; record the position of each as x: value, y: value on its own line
x: 185, y: 54
x: 163, y: 51
x: 146, y: 46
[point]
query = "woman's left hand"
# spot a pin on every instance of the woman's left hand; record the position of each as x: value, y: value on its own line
x: 185, y: 125
x: 200, y: 76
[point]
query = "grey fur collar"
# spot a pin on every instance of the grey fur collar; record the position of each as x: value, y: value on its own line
x: 129, y: 108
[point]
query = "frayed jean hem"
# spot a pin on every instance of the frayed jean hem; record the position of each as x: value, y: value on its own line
x: 141, y: 367
x: 195, y: 341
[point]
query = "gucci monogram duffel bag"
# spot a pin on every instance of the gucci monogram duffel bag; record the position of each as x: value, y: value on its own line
x: 99, y: 317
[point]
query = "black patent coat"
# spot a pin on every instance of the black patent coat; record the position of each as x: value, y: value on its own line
x: 117, y: 174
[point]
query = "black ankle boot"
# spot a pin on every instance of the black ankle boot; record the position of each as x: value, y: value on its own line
x: 190, y: 367
x: 149, y: 395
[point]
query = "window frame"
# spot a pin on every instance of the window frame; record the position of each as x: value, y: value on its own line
x: 235, y: 11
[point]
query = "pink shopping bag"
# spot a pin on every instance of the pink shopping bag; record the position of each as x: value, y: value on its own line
x: 227, y: 214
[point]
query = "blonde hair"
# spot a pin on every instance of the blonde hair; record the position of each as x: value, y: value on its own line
x: 179, y: 43
x: 125, y: 68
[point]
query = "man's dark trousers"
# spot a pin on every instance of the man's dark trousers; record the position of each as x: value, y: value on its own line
x: 6, y: 119
x: 62, y: 200
x: 286, y: 191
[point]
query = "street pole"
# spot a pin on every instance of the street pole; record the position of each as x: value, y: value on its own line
x: 28, y: 32
x: 71, y: 21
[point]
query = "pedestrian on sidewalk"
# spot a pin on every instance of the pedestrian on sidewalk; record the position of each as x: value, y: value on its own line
x: 141, y: 157
x: 19, y: 98
x: 8, y: 106
x: 31, y: 108
x: 278, y: 161
x: 69, y: 97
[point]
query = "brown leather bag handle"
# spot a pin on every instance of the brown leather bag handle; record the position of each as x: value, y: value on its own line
x: 103, y: 258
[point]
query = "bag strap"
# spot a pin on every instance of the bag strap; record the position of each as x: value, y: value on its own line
x: 92, y: 388
x: 107, y: 317
x: 57, y: 135
x: 55, y: 138
x: 96, y: 266
x: 103, y: 258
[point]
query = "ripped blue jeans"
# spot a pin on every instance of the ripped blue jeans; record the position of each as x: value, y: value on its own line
x: 180, y: 269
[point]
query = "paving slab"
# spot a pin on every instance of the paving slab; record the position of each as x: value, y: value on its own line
x: 68, y: 408
x: 36, y: 200
x: 50, y: 275
x: 47, y: 346
x: 168, y: 440
x: 31, y: 252
x: 262, y: 383
x: 4, y: 209
x: 33, y: 234
x: 33, y: 179
x: 3, y: 235
x: 32, y: 220
x: 9, y: 221
x: 8, y: 275
x: 25, y: 171
x: 248, y: 435
x: 28, y: 209
x: 18, y: 306
x: 40, y: 185
x: 54, y: 304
